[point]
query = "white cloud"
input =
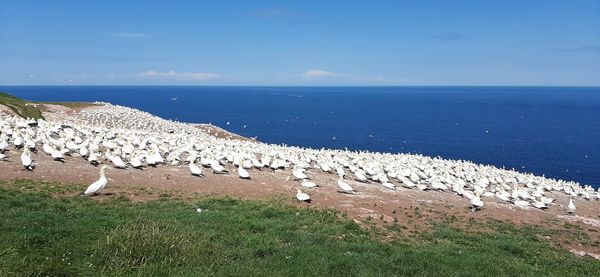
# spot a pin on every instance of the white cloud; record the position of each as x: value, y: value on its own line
x: 128, y: 35
x: 180, y: 76
x: 318, y: 73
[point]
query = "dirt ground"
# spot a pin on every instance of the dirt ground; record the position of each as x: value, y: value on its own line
x: 413, y: 210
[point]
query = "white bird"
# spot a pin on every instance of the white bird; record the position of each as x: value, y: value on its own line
x: 389, y: 185
x: 571, y: 206
x: 135, y: 162
x: 83, y: 151
x: 47, y: 148
x: 93, y: 158
x: 360, y: 176
x: 217, y: 168
x: 345, y: 187
x: 243, y: 173
x: 407, y: 183
x: 26, y: 159
x: 18, y: 142
x: 522, y: 204
x: 301, y: 196
x: 57, y: 155
x: 117, y: 161
x: 546, y: 200
x: 308, y: 184
x: 2, y: 156
x: 196, y: 171
x: 98, y: 186
x: 476, y: 203
x: 503, y: 195
x: 340, y: 172
x: 299, y: 174
x: 540, y: 205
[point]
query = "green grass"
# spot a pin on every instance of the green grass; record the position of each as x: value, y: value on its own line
x: 45, y: 235
x: 20, y: 107
x: 26, y: 109
x: 73, y: 105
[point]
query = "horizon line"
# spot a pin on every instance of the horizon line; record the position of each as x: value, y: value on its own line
x: 181, y: 85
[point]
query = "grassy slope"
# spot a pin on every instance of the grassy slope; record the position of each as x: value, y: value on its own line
x: 72, y: 105
x: 18, y: 106
x: 42, y: 235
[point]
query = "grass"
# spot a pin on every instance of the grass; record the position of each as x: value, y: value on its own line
x: 45, y: 235
x: 29, y: 109
x: 20, y: 106
x: 72, y: 105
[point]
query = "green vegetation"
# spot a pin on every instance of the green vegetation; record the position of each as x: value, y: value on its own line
x: 72, y: 105
x: 20, y: 106
x: 28, y: 109
x: 45, y: 235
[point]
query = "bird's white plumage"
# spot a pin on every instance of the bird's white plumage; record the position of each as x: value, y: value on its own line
x: 388, y: 185
x: 26, y: 158
x: 216, y: 167
x: 309, y: 184
x: 476, y: 203
x: 194, y: 169
x: 301, y: 196
x: 98, y: 186
x: 299, y: 174
x: 345, y: 186
x: 243, y: 173
x: 571, y: 206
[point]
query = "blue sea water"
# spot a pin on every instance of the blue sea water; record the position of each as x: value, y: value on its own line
x: 544, y: 130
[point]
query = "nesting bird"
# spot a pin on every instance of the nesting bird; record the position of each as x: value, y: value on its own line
x: 217, y: 167
x: 308, y: 184
x: 299, y: 174
x: 194, y: 169
x: 476, y: 203
x: 301, y: 196
x: 345, y: 187
x: 243, y: 173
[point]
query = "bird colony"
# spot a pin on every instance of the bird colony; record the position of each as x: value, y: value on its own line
x: 126, y: 138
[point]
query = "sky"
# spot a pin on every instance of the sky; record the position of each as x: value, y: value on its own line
x: 479, y: 42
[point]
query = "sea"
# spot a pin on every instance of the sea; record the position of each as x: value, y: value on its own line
x: 551, y: 131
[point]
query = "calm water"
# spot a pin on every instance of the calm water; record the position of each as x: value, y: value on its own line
x: 545, y: 130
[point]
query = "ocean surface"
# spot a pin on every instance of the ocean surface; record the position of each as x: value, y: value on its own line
x: 544, y: 130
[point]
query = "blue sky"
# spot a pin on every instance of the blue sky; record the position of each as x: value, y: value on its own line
x: 300, y: 42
